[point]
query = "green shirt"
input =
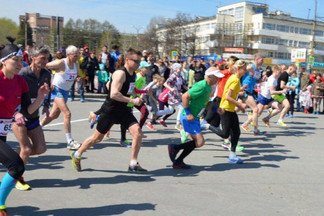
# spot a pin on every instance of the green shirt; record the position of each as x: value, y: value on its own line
x: 199, y: 97
x: 140, y: 82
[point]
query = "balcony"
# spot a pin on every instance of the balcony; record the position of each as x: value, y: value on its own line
x: 266, y: 32
x: 262, y: 46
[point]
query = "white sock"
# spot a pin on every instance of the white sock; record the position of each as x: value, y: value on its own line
x: 133, y: 162
x: 232, y: 154
x: 68, y: 137
x: 77, y: 154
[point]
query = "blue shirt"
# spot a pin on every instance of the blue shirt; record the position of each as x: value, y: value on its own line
x: 249, y: 81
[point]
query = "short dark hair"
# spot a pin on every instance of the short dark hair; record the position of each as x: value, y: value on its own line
x: 132, y: 51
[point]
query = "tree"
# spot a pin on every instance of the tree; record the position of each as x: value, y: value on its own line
x: 8, y: 28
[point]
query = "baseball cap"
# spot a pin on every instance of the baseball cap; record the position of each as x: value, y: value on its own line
x: 214, y: 71
x: 143, y: 64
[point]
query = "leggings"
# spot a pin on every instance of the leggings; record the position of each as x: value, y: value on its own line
x: 230, y: 127
x: 11, y: 160
x: 291, y: 99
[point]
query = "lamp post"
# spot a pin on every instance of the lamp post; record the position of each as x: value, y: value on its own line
x: 312, y: 42
x: 137, y: 28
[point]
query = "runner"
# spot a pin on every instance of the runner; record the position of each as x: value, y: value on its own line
x: 194, y: 102
x: 115, y: 111
x: 30, y: 136
x: 66, y: 73
x: 13, y: 93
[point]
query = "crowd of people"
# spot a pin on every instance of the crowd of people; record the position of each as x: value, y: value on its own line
x: 205, y: 95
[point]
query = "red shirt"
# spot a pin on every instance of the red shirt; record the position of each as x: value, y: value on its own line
x: 11, y: 91
x: 222, y: 82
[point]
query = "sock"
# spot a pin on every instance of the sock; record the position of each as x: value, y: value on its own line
x: 187, y: 150
x: 76, y: 154
x: 68, y: 137
x: 7, y: 184
x: 133, y: 162
x: 279, y: 120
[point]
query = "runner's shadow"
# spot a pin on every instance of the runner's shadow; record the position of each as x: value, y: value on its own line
x: 85, y: 183
x: 93, y: 211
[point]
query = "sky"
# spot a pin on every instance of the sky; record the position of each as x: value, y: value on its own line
x: 132, y: 16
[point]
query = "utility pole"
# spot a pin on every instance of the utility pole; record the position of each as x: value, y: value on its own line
x: 310, y: 59
x: 26, y: 36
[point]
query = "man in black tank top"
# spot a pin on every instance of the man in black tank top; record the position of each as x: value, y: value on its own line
x: 115, y: 111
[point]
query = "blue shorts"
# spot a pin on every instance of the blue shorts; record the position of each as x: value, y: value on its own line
x: 191, y: 127
x: 32, y: 123
x: 60, y: 93
x: 263, y: 100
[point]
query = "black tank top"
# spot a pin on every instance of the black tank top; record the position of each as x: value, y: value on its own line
x: 126, y: 90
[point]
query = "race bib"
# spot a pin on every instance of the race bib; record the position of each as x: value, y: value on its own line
x: 5, y: 126
x: 70, y: 76
x: 131, y: 88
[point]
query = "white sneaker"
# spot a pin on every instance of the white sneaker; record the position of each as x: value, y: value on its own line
x: 235, y: 160
x: 73, y: 145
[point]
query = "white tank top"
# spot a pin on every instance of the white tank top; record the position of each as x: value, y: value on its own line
x: 64, y: 80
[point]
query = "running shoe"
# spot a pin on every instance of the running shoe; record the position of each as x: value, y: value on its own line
x: 245, y: 128
x: 235, y: 160
x: 178, y: 127
x: 281, y: 124
x: 266, y: 122
x: 3, y: 210
x: 73, y: 145
x: 126, y: 143
x: 172, y: 152
x: 226, y: 146
x: 76, y: 162
x: 257, y: 132
x: 227, y: 141
x: 180, y: 165
x: 162, y: 122
x: 137, y: 168
x: 239, y: 148
x: 22, y: 185
x: 150, y: 126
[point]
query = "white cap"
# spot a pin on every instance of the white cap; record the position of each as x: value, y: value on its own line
x: 212, y: 71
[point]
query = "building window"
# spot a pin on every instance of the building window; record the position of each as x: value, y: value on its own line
x: 267, y: 40
x: 239, y: 13
x: 292, y: 29
x: 303, y: 44
x: 269, y: 26
x: 305, y: 31
x: 296, y: 30
x: 283, y: 28
x: 319, y: 33
x: 290, y: 43
x: 270, y: 54
x: 280, y: 55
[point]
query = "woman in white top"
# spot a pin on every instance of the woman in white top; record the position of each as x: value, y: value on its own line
x: 66, y: 72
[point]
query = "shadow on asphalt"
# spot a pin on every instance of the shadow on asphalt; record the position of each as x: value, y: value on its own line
x: 85, y: 183
x: 93, y: 211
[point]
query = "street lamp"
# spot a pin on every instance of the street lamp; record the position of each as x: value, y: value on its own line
x: 137, y: 28
x: 24, y: 20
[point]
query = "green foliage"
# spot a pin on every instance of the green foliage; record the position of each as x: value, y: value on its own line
x: 7, y: 28
x: 90, y: 32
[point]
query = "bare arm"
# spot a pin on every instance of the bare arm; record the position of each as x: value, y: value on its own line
x: 117, y: 82
x: 274, y: 92
x: 232, y: 100
x: 57, y: 65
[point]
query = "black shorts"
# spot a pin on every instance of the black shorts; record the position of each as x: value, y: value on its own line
x: 32, y: 123
x: 108, y: 119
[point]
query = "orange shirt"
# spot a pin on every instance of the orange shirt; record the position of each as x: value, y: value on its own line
x: 222, y: 82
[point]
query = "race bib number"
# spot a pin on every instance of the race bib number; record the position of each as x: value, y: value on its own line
x: 131, y: 88
x: 70, y: 76
x: 5, y: 126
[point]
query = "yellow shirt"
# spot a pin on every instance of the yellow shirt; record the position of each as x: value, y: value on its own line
x: 234, y: 84
x: 81, y: 72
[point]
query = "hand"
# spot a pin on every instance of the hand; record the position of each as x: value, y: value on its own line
x: 136, y: 101
x: 190, y: 117
x: 284, y: 91
x: 20, y: 119
x: 220, y: 111
x: 43, y: 90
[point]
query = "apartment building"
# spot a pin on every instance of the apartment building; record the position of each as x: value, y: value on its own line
x: 246, y: 28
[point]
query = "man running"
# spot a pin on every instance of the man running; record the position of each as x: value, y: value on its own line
x: 115, y: 111
x: 66, y: 73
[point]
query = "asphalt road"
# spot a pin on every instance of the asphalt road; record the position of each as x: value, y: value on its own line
x: 282, y: 174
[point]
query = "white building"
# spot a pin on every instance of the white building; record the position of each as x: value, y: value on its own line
x: 249, y: 28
